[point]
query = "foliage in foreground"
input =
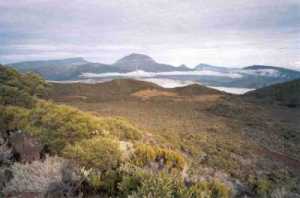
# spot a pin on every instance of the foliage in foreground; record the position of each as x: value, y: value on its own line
x: 145, y: 154
x: 58, y: 125
x: 161, y: 184
x: 93, y: 144
x: 99, y: 153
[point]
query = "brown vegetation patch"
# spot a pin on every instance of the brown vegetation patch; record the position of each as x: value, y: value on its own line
x: 174, y: 96
x: 203, y: 98
x: 213, y: 129
x: 149, y: 93
x: 74, y: 97
x: 286, y: 160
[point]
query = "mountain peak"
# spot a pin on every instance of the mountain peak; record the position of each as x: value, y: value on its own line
x: 183, y: 67
x: 204, y: 65
x: 73, y: 59
x: 135, y: 59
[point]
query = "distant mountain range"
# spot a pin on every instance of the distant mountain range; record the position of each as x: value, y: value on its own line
x: 143, y: 66
x: 143, y: 62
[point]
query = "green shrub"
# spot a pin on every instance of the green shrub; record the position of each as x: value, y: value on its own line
x: 205, y: 189
x: 35, y: 85
x: 161, y: 185
x: 110, y: 181
x: 132, y: 177
x: 13, y: 96
x: 20, y: 89
x: 94, y: 179
x: 12, y: 118
x: 263, y: 187
x: 122, y: 129
x: 103, y: 182
x: 57, y: 125
x: 277, y: 180
x: 100, y: 153
x: 158, y: 186
x: 145, y: 154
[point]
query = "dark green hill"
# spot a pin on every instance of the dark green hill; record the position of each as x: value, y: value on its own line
x: 287, y: 94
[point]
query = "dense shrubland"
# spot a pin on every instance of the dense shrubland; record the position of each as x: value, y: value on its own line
x: 91, y: 146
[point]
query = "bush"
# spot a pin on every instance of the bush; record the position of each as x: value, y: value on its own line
x: 145, y: 154
x: 122, y: 129
x: 20, y: 89
x: 156, y: 186
x: 263, y: 188
x: 132, y: 177
x: 161, y: 185
x: 100, y: 153
x: 12, y: 96
x: 57, y: 125
x: 103, y: 182
x: 35, y: 85
x: 12, y: 118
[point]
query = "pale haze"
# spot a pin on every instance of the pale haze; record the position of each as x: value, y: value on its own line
x: 217, y: 32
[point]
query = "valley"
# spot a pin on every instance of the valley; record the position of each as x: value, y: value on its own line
x: 246, y: 145
x: 234, y: 134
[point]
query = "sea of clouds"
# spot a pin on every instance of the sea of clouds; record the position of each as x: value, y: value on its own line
x: 141, y: 73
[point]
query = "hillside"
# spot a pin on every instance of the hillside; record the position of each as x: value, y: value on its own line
x: 65, y: 69
x: 128, y: 138
x: 221, y: 134
x: 143, y: 62
x: 51, y: 150
x: 48, y: 63
x: 287, y: 94
x: 111, y: 90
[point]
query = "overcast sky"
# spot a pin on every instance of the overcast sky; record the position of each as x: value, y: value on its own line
x: 218, y: 32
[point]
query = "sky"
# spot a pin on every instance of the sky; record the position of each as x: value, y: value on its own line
x: 219, y: 32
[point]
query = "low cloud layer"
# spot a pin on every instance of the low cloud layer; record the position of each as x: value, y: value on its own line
x: 140, y: 73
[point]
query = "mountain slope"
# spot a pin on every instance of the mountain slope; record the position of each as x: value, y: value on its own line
x: 255, y: 76
x: 143, y: 62
x: 220, y: 134
x: 183, y: 141
x: 70, y: 69
x: 287, y: 93
x: 46, y: 63
x: 252, y: 77
x: 262, y: 76
x: 65, y: 152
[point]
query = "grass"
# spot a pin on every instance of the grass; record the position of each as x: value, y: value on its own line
x: 210, y: 132
x: 191, y: 127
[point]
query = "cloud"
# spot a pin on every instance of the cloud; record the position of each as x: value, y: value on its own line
x: 140, y: 73
x: 220, y: 32
x: 168, y: 83
x: 233, y: 90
